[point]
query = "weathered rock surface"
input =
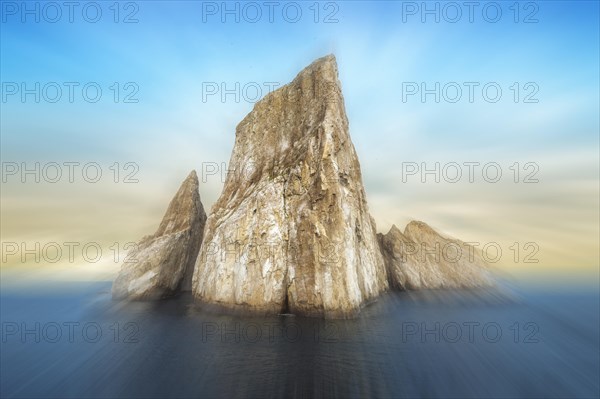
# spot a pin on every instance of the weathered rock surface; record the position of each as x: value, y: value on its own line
x: 291, y: 230
x: 163, y: 263
x: 421, y: 258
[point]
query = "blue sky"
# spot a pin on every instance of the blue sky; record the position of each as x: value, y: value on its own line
x: 170, y: 53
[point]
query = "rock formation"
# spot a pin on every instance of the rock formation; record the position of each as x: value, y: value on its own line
x: 422, y: 258
x: 291, y: 231
x: 163, y: 263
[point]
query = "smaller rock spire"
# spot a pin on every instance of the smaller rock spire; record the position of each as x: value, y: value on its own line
x: 161, y: 264
x: 182, y: 208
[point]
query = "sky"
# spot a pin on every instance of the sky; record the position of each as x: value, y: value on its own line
x: 440, y: 96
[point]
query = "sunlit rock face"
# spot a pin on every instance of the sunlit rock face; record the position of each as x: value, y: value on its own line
x: 421, y: 258
x: 163, y: 263
x: 291, y: 231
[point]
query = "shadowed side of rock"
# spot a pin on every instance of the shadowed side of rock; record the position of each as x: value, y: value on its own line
x: 421, y: 258
x: 162, y: 264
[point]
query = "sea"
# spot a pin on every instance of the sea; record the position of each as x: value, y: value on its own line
x: 516, y: 341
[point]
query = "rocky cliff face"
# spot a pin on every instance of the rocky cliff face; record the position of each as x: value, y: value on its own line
x: 291, y: 231
x: 422, y: 258
x: 163, y: 263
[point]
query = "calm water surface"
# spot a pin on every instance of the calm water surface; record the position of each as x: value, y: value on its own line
x: 78, y: 343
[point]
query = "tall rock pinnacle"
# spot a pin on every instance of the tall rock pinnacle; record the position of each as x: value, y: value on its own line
x: 291, y: 231
x: 163, y: 263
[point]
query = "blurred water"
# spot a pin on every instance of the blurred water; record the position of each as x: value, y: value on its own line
x: 537, y: 344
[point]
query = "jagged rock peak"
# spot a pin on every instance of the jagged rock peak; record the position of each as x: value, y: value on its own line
x: 184, y: 205
x: 321, y: 71
x: 394, y: 228
x: 300, y: 195
x: 422, y: 258
x: 162, y: 263
x: 418, y: 227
